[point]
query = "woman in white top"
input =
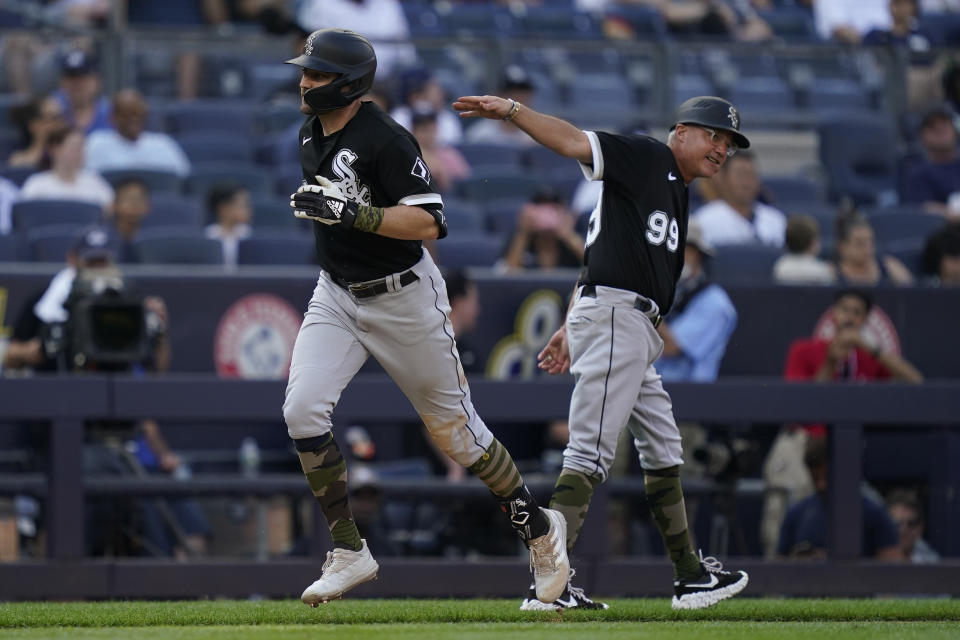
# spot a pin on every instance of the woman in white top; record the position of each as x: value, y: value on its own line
x: 230, y: 208
x: 67, y: 179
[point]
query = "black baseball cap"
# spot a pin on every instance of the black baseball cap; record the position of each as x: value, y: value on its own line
x: 96, y: 242
x: 713, y: 112
x: 78, y: 63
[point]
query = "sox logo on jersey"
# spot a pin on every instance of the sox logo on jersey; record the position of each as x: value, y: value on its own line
x: 347, y: 178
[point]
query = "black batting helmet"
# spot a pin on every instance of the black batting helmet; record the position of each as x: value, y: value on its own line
x: 343, y: 52
x: 713, y: 112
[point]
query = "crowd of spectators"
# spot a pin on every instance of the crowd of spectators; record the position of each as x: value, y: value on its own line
x: 76, y: 141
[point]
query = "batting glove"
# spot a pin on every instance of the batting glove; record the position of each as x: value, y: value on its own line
x: 324, y: 203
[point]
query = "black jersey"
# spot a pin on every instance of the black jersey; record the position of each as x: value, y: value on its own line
x: 637, y: 233
x: 374, y: 161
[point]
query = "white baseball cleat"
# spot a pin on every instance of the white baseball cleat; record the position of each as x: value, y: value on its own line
x: 548, y: 559
x: 343, y: 570
x: 713, y: 585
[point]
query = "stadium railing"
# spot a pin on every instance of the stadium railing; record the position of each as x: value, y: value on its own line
x: 66, y: 574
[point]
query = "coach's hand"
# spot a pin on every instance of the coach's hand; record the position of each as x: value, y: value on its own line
x: 555, y: 357
x: 325, y: 203
x: 493, y: 107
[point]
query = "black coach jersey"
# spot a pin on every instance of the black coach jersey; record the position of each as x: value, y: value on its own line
x: 374, y: 161
x: 637, y: 232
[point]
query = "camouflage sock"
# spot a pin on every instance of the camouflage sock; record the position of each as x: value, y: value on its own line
x: 326, y: 472
x: 665, y: 498
x: 497, y: 470
x: 571, y: 497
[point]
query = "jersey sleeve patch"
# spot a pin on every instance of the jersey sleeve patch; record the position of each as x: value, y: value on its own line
x: 594, y: 172
x: 420, y: 170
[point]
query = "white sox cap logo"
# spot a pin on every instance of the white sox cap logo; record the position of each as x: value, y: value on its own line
x: 734, y: 118
x: 308, y: 47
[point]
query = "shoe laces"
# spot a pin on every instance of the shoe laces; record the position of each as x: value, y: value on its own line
x: 543, y: 555
x: 337, y: 561
x: 710, y: 563
x: 576, y: 592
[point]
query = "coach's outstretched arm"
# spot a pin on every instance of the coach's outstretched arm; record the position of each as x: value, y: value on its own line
x: 553, y: 133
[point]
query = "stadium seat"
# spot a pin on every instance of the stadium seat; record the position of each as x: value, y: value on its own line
x: 500, y: 214
x: 744, y: 262
x: 231, y: 117
x: 482, y: 156
x: 830, y: 94
x: 792, y: 188
x: 51, y: 243
x: 156, y: 181
x: 686, y: 86
x: 17, y: 175
x: 899, y: 225
x: 646, y: 22
x: 858, y: 151
x: 423, y: 20
x: 11, y: 248
x: 463, y: 218
x: 909, y: 251
x: 761, y: 93
x: 480, y: 187
x: 207, y: 146
x: 476, y: 251
x: 558, y: 23
x: 171, y: 209
x: 277, y: 247
x: 29, y: 214
x: 206, y: 175
x: 287, y: 178
x: 478, y: 21
x: 793, y: 24
x: 273, y: 212
x: 166, y: 246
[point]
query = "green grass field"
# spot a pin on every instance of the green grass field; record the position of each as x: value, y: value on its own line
x: 480, y: 620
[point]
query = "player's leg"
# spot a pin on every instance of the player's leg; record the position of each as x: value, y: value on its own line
x: 698, y: 582
x: 608, y: 363
x: 409, y: 333
x: 326, y: 356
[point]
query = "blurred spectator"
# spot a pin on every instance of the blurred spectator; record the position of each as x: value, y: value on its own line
x: 941, y: 256
x: 858, y: 262
x: 9, y: 193
x: 935, y: 180
x: 35, y: 121
x: 696, y: 331
x: 79, y: 94
x: 850, y: 355
x: 131, y: 204
x: 419, y: 91
x: 67, y: 178
x: 848, y: 21
x: 804, y: 531
x: 515, y: 85
x: 904, y: 509
x: 737, y: 217
x: 951, y: 92
x: 737, y: 19
x: 903, y: 31
x: 231, y: 211
x: 464, y: 299
x: 544, y: 236
x: 80, y: 13
x: 128, y: 146
x: 383, y: 22
x: 446, y: 163
x: 802, y: 264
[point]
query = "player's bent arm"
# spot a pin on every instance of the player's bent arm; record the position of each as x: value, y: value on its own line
x: 404, y: 222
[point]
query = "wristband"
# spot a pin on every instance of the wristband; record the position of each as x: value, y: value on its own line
x: 514, y: 108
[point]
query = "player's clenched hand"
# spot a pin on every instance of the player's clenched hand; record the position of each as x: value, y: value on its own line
x: 323, y: 202
x: 555, y: 357
x: 493, y: 107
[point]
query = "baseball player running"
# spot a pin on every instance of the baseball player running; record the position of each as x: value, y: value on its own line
x: 370, y: 194
x: 634, y: 256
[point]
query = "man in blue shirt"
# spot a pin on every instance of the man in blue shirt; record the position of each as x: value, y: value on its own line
x: 696, y: 332
x: 804, y: 530
x: 936, y: 178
